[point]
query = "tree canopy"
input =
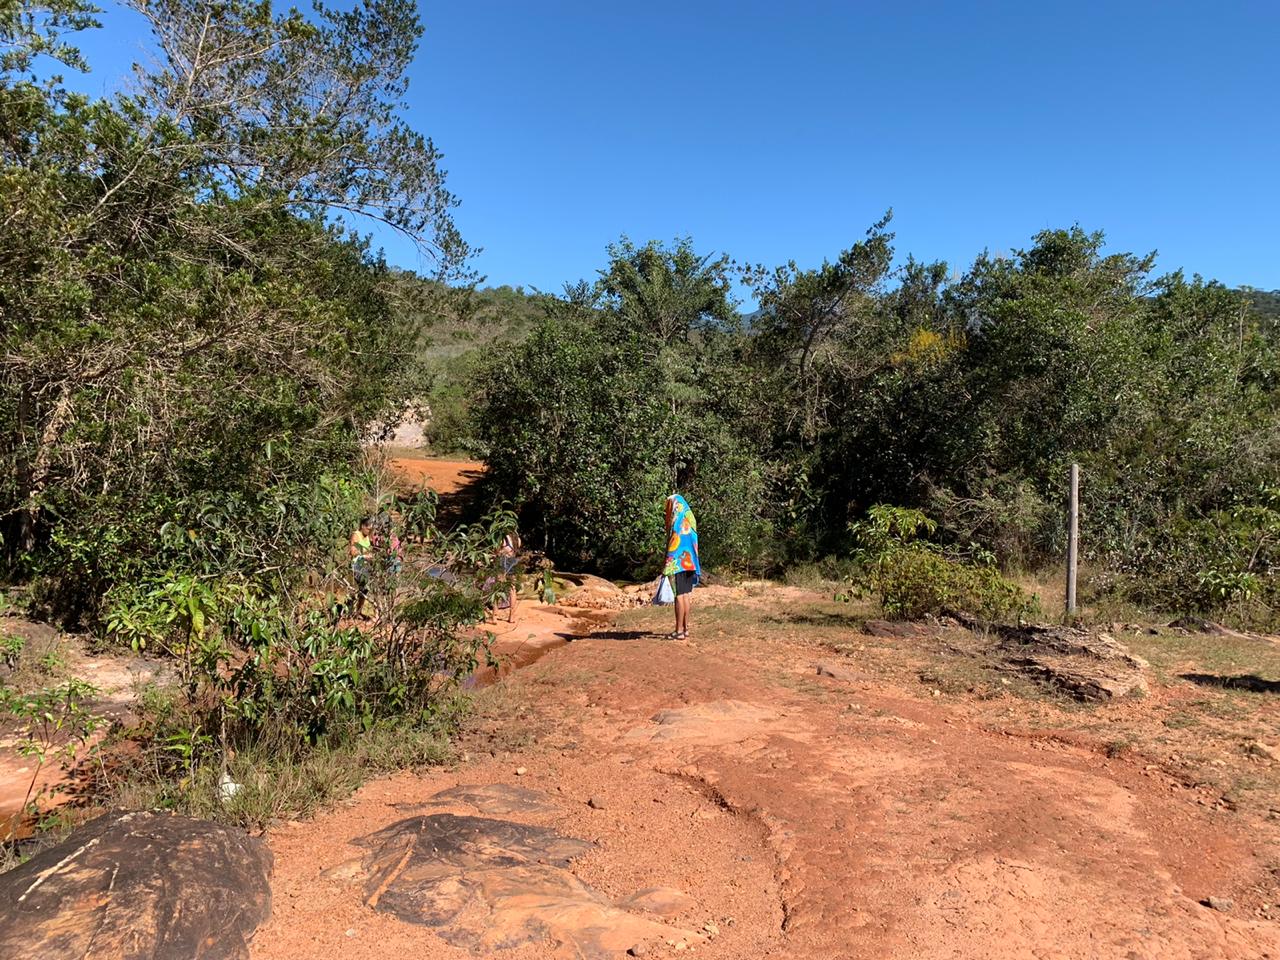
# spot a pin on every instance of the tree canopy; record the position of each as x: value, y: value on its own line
x: 192, y: 331
x: 859, y: 382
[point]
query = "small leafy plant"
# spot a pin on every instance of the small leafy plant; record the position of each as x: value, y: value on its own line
x: 263, y: 673
x: 53, y: 725
x: 11, y: 648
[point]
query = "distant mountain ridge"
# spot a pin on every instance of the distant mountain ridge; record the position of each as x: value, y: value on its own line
x: 1265, y: 303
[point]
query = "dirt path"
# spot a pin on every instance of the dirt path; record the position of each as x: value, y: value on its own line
x: 443, y: 476
x: 796, y: 815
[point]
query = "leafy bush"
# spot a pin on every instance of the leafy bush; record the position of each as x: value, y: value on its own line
x: 575, y: 437
x: 912, y: 577
x: 279, y: 694
x: 627, y: 389
x: 1225, y: 564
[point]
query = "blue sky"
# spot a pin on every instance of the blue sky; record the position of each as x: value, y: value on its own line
x: 777, y: 131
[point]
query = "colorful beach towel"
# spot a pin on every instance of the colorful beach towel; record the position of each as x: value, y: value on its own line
x: 682, y: 545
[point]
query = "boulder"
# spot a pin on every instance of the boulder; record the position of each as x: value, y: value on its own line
x: 500, y: 799
x: 139, y: 886
x: 837, y: 671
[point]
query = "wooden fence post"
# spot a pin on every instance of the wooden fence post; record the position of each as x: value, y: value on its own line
x: 1073, y: 539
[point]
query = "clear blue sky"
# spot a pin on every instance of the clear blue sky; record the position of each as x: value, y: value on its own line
x: 781, y: 130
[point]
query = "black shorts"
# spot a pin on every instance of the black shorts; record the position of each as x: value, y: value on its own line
x: 685, y: 581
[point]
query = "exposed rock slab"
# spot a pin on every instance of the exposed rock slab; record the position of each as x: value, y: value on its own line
x: 489, y: 885
x: 1200, y: 625
x: 497, y: 799
x: 715, y: 722
x: 899, y: 629
x: 1088, y: 666
x: 659, y: 901
x: 837, y: 671
x: 138, y: 886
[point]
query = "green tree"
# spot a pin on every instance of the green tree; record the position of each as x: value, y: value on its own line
x: 818, y: 323
x: 191, y: 332
x: 574, y: 428
x: 31, y: 30
x: 632, y: 386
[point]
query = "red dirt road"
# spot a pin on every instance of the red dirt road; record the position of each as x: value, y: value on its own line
x: 805, y: 817
x: 442, y: 476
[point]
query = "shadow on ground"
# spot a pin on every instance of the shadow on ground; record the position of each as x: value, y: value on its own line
x: 1243, y: 682
x: 845, y: 621
x: 616, y: 635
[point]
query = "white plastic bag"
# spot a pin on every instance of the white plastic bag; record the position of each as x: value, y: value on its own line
x: 664, y: 596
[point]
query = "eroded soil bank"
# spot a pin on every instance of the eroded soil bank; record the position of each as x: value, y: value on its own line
x: 724, y: 797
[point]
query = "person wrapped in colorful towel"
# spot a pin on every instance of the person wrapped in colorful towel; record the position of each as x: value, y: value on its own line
x: 682, y: 567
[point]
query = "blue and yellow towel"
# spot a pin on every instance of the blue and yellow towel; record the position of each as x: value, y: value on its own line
x: 682, y: 538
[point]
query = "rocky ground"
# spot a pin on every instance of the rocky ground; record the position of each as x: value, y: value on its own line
x: 787, y: 784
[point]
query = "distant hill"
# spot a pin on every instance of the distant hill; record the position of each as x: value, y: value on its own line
x: 467, y: 320
x: 458, y: 331
x: 1265, y: 304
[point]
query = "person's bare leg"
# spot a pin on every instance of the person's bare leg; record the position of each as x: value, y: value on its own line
x: 511, y: 606
x: 682, y: 614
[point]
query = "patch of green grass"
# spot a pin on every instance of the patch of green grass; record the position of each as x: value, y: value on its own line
x: 1118, y: 748
x: 1230, y: 705
x: 11, y: 648
x: 829, y: 576
x: 1175, y: 654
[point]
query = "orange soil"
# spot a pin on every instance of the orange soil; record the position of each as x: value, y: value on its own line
x: 806, y: 817
x: 442, y: 476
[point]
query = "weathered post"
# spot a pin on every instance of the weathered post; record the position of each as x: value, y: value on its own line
x: 1073, y: 538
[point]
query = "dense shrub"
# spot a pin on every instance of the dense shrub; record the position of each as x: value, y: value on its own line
x: 196, y: 337
x: 594, y: 419
x: 192, y: 352
x: 1227, y: 562
x: 912, y: 577
x: 575, y: 432
x: 262, y: 676
x: 856, y: 383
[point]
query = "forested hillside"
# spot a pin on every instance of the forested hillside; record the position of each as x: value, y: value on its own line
x: 1266, y: 307
x: 457, y: 334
